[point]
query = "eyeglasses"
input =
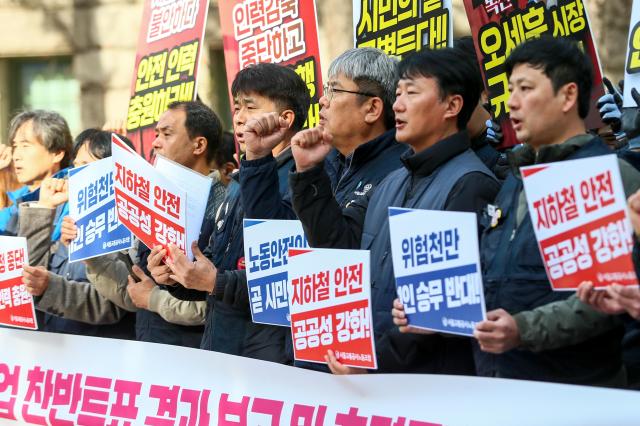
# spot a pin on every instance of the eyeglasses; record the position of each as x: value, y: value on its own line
x: 329, y: 91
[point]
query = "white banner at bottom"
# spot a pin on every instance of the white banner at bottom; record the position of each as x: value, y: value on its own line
x: 57, y: 379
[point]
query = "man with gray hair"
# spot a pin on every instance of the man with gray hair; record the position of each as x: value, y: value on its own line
x: 357, y: 111
x: 41, y: 143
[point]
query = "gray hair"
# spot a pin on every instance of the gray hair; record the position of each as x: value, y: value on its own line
x: 49, y: 127
x: 373, y: 71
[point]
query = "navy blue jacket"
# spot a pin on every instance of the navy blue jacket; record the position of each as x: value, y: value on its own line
x: 351, y: 178
x: 446, y: 176
x: 229, y: 328
x: 151, y: 327
x: 515, y: 280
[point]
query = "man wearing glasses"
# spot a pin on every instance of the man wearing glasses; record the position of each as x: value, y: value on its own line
x: 357, y: 110
x: 434, y: 101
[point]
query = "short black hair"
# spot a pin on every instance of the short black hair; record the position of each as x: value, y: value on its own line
x: 452, y: 71
x: 201, y: 121
x: 226, y: 152
x: 98, y: 143
x: 559, y: 59
x: 278, y: 83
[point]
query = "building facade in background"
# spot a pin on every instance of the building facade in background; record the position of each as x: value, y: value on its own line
x: 77, y: 56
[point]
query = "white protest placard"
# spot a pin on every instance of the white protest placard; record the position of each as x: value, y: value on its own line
x: 330, y: 305
x: 16, y: 304
x: 578, y: 212
x: 151, y: 206
x: 196, y: 186
x: 436, y: 262
x: 632, y: 69
x: 48, y: 378
x: 266, y: 247
x: 92, y: 206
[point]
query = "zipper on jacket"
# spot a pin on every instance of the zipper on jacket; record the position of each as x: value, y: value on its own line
x: 344, y: 174
x: 408, y: 194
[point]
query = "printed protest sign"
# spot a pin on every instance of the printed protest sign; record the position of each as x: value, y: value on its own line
x: 578, y: 212
x: 63, y: 379
x: 274, y: 31
x: 16, y: 304
x: 399, y: 27
x: 151, y: 206
x: 330, y: 305
x: 196, y: 186
x: 498, y: 26
x: 167, y: 61
x: 266, y: 250
x: 93, y: 207
x: 632, y: 70
x: 436, y: 262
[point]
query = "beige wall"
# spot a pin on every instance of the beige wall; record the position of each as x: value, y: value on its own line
x: 101, y: 37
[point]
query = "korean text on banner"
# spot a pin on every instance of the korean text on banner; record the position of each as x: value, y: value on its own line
x: 578, y: 212
x: 92, y: 205
x: 498, y: 26
x: 274, y: 31
x: 266, y: 251
x: 330, y: 305
x: 167, y: 61
x: 400, y: 27
x: 197, y: 188
x: 16, y: 304
x: 151, y: 206
x: 436, y: 262
x: 632, y: 70
x: 62, y: 379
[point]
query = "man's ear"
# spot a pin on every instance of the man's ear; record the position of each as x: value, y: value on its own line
x: 199, y: 145
x: 454, y: 105
x: 569, y: 92
x: 58, y: 157
x: 289, y: 116
x: 374, y: 109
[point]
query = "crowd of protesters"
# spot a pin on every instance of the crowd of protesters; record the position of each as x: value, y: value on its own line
x: 415, y: 133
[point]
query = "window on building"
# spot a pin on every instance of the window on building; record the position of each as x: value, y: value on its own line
x: 45, y: 83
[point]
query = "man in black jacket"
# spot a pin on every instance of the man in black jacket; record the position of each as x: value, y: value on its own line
x: 433, y: 105
x: 357, y: 111
x: 219, y: 276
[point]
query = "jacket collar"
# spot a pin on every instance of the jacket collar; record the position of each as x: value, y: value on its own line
x: 363, y: 153
x: 426, y: 162
x: 527, y: 156
x: 284, y: 156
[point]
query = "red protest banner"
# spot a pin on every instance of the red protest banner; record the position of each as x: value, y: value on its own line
x: 329, y: 303
x: 167, y: 61
x: 278, y: 31
x: 498, y: 26
x: 16, y: 305
x: 151, y: 206
x: 578, y: 213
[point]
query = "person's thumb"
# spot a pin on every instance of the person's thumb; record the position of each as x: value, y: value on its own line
x: 197, y: 253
